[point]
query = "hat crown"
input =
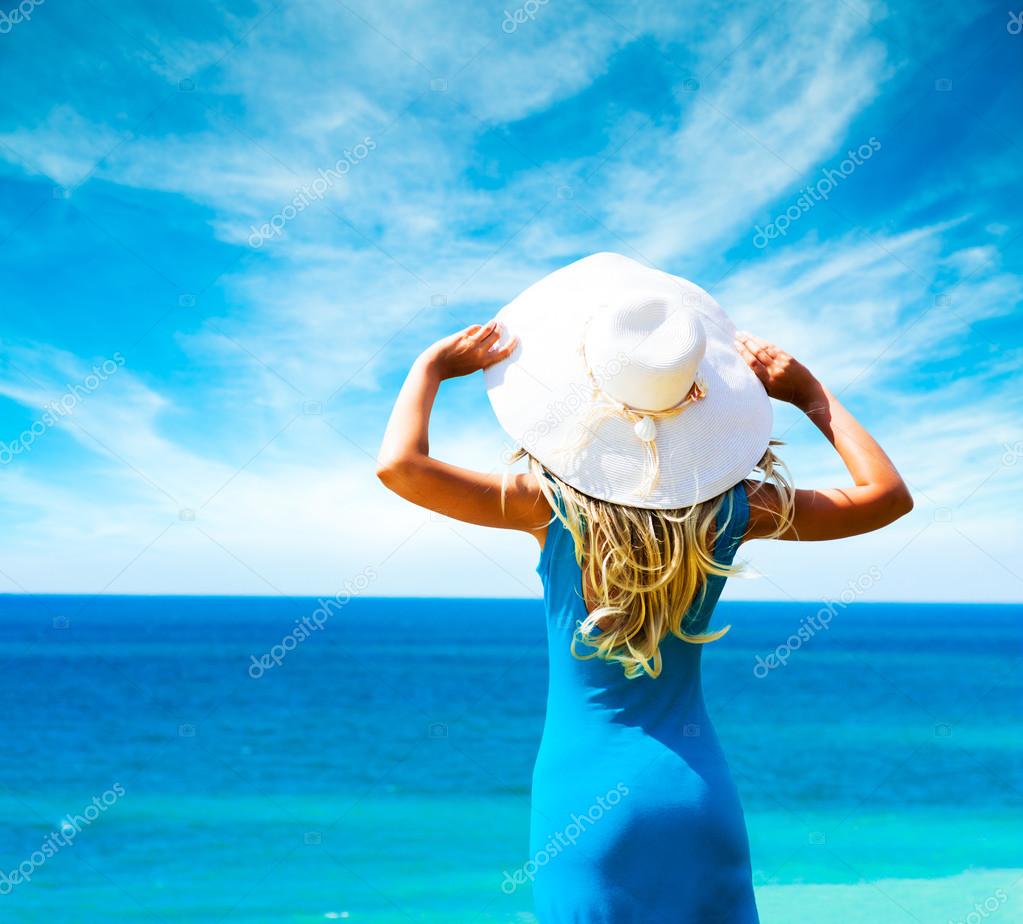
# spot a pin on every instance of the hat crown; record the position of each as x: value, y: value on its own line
x: 644, y: 349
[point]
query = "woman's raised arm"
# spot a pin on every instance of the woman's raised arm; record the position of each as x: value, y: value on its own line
x: 878, y: 495
x: 404, y: 463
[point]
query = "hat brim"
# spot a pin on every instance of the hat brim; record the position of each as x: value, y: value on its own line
x: 542, y: 393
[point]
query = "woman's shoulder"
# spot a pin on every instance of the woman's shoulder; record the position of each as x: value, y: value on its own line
x: 765, y: 506
x: 526, y: 505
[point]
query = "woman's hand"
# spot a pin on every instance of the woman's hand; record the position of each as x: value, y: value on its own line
x: 468, y: 350
x: 785, y: 378
x: 404, y: 463
x: 878, y: 495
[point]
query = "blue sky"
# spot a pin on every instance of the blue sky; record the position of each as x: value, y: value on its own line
x: 226, y: 446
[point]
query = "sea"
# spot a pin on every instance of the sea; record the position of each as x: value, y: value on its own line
x: 247, y: 759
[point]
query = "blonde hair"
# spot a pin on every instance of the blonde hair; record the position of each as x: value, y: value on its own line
x: 646, y: 567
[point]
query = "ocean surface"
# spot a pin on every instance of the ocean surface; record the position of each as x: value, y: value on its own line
x: 219, y: 759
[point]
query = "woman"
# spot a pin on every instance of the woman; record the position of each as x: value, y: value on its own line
x: 642, y: 415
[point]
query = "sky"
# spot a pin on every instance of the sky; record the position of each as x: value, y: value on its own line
x: 227, y: 230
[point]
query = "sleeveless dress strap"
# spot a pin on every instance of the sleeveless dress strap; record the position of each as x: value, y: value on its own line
x: 729, y: 530
x: 732, y: 521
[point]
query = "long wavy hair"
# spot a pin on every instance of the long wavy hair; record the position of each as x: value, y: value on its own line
x: 644, y: 568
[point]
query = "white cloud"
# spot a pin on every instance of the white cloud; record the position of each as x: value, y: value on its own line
x: 45, y: 148
x: 764, y: 116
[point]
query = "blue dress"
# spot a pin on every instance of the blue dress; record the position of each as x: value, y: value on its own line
x: 635, y: 818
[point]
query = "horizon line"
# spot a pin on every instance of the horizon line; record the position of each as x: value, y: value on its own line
x: 537, y: 599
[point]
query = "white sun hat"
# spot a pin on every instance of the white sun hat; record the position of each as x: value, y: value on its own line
x: 627, y: 386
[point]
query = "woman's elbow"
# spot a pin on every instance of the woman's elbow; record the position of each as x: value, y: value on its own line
x: 900, y: 502
x: 396, y: 472
x: 389, y: 471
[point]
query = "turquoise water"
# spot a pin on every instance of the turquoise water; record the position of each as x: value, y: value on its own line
x: 380, y: 772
